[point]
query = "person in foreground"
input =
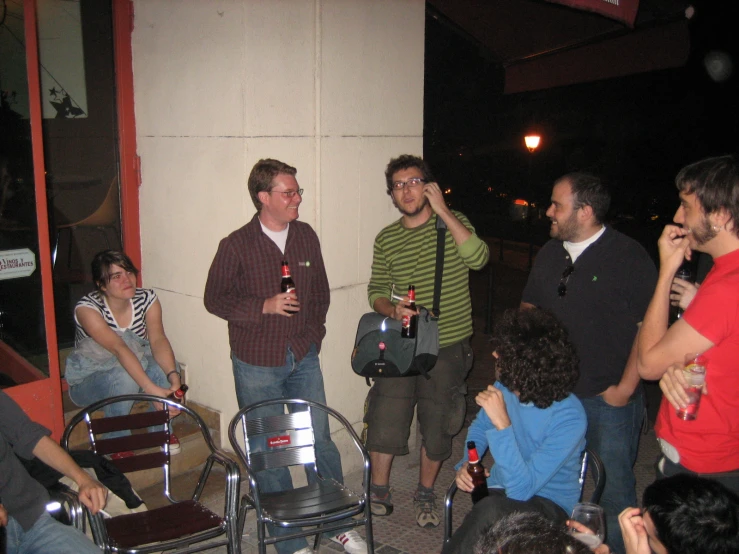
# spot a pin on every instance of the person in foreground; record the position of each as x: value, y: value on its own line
x: 275, y: 337
x: 683, y: 514
x: 706, y: 221
x: 529, y: 533
x: 120, y: 345
x: 532, y: 423
x: 405, y: 254
x: 29, y: 528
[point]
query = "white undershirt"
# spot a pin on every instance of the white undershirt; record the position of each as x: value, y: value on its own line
x: 278, y: 237
x: 574, y: 249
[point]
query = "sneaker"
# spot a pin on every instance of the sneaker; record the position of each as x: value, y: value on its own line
x: 352, y: 542
x: 426, y: 514
x: 381, y: 506
x: 174, y: 445
x: 121, y: 455
x: 306, y: 550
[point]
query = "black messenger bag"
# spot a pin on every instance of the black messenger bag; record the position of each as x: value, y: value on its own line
x: 379, y: 348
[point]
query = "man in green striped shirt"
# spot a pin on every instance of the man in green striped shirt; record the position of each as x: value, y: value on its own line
x: 405, y: 254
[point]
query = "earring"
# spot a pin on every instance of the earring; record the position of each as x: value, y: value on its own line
x: 717, y: 228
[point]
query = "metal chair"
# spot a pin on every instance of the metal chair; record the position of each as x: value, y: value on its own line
x: 180, y: 524
x: 287, y: 440
x: 64, y: 505
x: 589, y: 461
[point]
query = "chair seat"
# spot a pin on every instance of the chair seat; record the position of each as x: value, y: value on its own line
x: 161, y: 524
x: 318, y: 499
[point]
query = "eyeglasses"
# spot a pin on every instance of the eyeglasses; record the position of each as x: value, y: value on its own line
x: 562, y: 288
x: 288, y: 193
x: 413, y: 182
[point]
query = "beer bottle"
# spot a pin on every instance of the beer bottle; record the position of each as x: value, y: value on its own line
x: 179, y: 394
x: 477, y: 472
x: 410, y: 323
x: 287, y: 284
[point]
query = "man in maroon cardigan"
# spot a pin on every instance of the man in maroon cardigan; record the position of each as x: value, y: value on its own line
x: 275, y: 337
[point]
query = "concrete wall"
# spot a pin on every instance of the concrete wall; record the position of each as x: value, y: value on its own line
x: 333, y: 87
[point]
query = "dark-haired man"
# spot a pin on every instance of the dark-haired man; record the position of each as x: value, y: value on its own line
x: 532, y: 424
x: 683, y: 514
x: 275, y: 336
x: 405, y: 254
x: 707, y: 222
x: 598, y: 283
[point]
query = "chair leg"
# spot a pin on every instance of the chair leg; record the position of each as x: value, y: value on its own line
x: 370, y: 539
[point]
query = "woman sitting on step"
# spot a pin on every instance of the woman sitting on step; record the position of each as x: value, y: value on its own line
x: 120, y: 345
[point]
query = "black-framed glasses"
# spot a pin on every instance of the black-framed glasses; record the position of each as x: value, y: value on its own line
x: 562, y: 288
x: 413, y: 182
x: 288, y: 193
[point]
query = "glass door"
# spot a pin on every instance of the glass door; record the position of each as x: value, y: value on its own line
x: 60, y: 183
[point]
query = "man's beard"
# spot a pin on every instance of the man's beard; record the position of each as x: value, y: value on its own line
x: 415, y: 212
x: 567, y: 230
x: 703, y: 232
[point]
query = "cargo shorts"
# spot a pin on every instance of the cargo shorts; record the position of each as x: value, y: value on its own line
x: 440, y: 404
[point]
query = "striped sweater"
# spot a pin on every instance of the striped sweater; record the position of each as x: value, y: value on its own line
x: 408, y: 257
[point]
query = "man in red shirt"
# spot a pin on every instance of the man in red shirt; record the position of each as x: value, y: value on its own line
x: 707, y: 221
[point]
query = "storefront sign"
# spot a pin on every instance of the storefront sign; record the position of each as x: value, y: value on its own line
x: 16, y: 263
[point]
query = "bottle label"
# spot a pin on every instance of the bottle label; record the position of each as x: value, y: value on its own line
x: 290, y: 288
x: 286, y: 271
x: 406, y: 322
x: 412, y: 295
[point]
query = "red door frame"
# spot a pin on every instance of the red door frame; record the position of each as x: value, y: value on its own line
x: 42, y: 398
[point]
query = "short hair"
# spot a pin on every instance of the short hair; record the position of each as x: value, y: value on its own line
x: 101, y: 263
x: 535, y: 356
x: 715, y: 181
x: 404, y: 162
x: 262, y: 175
x: 589, y: 190
x: 527, y: 533
x: 693, y: 515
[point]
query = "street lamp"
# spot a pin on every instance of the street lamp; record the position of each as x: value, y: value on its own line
x: 532, y: 142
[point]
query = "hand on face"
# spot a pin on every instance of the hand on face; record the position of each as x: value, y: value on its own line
x: 673, y: 248
x: 634, y: 534
x: 435, y: 196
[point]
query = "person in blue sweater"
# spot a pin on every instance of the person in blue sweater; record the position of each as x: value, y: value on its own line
x: 531, y: 422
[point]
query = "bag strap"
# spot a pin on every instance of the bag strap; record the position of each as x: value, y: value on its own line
x: 440, y: 232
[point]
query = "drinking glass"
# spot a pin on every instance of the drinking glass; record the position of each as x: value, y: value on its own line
x: 591, y: 516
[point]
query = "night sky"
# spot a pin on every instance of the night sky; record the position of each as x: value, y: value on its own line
x: 636, y: 132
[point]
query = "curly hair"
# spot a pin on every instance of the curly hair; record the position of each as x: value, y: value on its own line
x: 402, y: 162
x: 535, y: 356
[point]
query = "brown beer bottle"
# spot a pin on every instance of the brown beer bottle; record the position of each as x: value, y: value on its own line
x: 179, y: 394
x: 287, y: 284
x: 477, y: 472
x: 410, y: 323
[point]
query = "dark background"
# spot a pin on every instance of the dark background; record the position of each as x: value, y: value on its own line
x: 636, y: 132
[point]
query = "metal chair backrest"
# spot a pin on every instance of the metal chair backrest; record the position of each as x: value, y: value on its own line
x: 182, y: 524
x: 592, y: 462
x: 279, y: 441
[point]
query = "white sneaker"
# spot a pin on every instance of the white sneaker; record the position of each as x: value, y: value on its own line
x: 306, y: 550
x: 352, y: 542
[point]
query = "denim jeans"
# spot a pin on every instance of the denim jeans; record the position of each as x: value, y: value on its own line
x: 116, y: 381
x: 47, y: 535
x: 296, y: 379
x: 613, y: 433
